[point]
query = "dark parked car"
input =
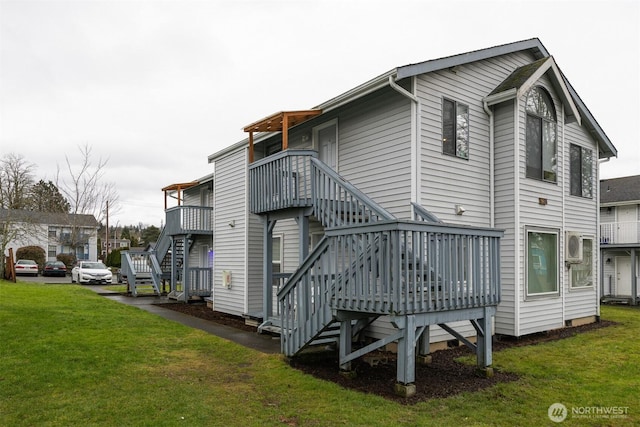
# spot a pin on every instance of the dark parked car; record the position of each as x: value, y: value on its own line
x: 54, y: 268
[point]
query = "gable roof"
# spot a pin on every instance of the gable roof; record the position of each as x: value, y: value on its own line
x: 625, y: 189
x: 523, y: 78
x: 534, y: 46
x: 50, y: 218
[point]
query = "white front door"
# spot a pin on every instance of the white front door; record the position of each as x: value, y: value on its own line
x: 623, y: 276
x: 627, y: 223
x: 325, y: 140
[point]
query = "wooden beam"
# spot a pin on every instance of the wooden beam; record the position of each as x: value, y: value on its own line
x: 285, y: 131
x: 251, y: 155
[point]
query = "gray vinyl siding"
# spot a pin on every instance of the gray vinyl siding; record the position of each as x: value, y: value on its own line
x: 230, y: 242
x: 538, y: 314
x: 581, y: 214
x: 607, y: 215
x: 254, y: 264
x: 374, y: 149
x: 505, y: 213
x: 443, y: 175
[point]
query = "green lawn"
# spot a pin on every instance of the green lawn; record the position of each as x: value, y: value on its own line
x: 69, y: 357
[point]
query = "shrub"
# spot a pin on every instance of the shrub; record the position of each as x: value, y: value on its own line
x: 68, y: 259
x: 35, y: 253
x: 114, y: 258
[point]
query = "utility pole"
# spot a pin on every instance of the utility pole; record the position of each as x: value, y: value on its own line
x: 106, y: 251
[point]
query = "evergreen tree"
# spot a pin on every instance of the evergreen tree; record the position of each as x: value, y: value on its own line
x: 150, y: 234
x: 45, y: 197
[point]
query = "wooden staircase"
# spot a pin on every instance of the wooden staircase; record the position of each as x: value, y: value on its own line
x: 370, y: 264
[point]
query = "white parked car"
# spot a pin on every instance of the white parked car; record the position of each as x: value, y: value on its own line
x: 26, y: 266
x: 91, y: 272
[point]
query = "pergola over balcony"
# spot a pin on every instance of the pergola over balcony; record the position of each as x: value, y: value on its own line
x: 176, y: 189
x: 279, y: 122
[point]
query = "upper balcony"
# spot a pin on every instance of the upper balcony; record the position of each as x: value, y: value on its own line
x: 620, y: 233
x: 189, y: 220
x: 281, y: 181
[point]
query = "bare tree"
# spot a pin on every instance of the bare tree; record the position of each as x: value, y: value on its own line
x: 16, y: 180
x: 84, y: 188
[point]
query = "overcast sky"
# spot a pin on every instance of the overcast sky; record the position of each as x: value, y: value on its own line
x: 157, y: 86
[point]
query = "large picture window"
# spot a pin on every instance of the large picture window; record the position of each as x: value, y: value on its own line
x: 542, y: 262
x: 581, y: 170
x: 582, y: 274
x: 541, y: 136
x: 455, y: 129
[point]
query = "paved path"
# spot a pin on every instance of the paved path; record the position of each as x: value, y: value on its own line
x: 261, y: 342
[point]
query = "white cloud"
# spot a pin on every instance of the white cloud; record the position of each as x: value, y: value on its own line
x: 157, y: 86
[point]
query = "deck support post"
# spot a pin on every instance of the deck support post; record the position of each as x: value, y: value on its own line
x: 345, y: 344
x: 406, y: 365
x: 424, y: 346
x: 267, y: 269
x: 303, y: 235
x: 634, y: 278
x: 483, y: 341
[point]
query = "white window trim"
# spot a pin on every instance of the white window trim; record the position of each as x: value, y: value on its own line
x: 537, y: 296
x: 314, y: 132
x: 281, y: 253
x: 593, y: 268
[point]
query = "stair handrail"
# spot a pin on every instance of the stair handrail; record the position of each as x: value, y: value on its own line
x: 302, y: 268
x: 323, y: 196
x: 163, y: 243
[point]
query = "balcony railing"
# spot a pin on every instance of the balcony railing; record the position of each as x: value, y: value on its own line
x: 189, y: 219
x: 615, y: 233
x: 281, y: 181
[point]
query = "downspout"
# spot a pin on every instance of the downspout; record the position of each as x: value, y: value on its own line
x: 516, y: 226
x: 491, y: 164
x: 415, y: 140
x: 566, y: 272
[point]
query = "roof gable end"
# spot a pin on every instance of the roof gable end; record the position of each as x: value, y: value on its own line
x: 523, y: 78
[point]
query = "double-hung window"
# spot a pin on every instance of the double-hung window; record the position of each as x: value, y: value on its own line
x: 542, y: 262
x: 581, y: 170
x: 542, y: 157
x: 455, y: 129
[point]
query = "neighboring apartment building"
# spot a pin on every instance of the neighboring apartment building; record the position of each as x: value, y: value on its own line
x: 420, y: 163
x: 114, y: 244
x: 183, y: 254
x: 620, y: 238
x: 56, y: 233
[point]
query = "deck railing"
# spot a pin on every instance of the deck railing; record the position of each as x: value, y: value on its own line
x: 281, y: 181
x: 200, y: 281
x: 339, y: 203
x: 390, y: 268
x: 140, y: 265
x: 189, y: 219
x: 620, y: 232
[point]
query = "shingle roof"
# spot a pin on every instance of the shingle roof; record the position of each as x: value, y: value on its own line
x: 519, y: 76
x: 625, y: 189
x: 50, y: 218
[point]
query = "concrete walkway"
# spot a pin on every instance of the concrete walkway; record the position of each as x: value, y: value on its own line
x: 261, y: 342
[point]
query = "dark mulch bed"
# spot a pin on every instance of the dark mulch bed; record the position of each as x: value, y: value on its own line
x: 443, y: 377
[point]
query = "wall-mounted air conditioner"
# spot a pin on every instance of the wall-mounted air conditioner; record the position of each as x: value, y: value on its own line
x: 573, y: 252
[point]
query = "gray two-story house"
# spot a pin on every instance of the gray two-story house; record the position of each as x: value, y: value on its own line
x: 455, y: 197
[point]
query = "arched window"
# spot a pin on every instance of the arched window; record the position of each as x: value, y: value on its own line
x: 542, y: 152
